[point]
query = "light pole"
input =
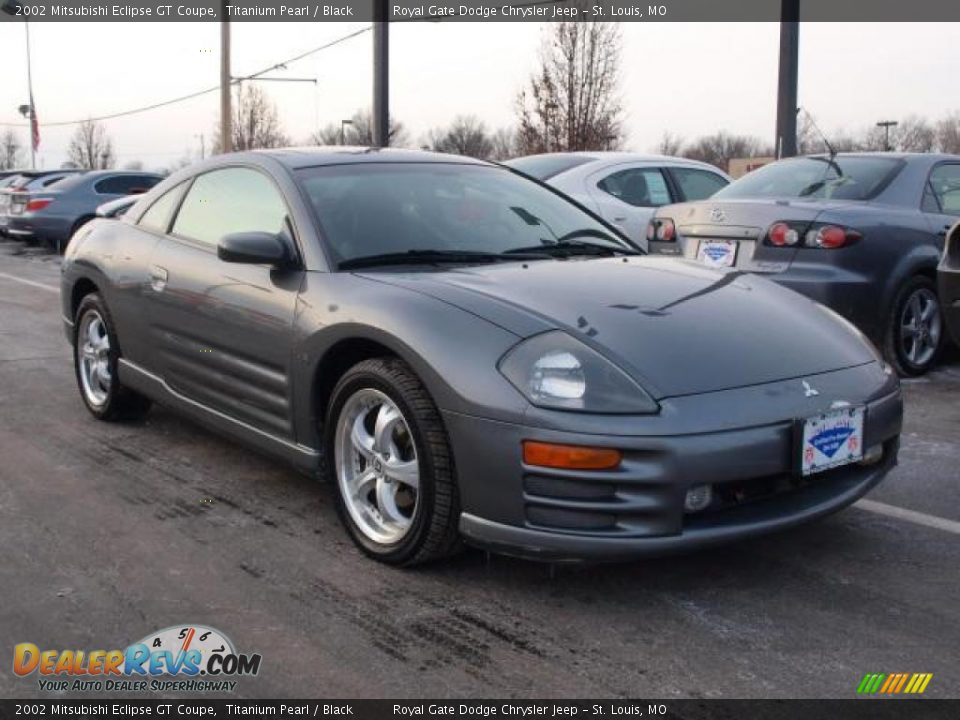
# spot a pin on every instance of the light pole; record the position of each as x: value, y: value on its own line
x: 10, y: 8
x: 786, y: 144
x: 226, y: 131
x: 886, y: 125
x: 203, y: 146
x: 343, y: 130
x: 381, y: 75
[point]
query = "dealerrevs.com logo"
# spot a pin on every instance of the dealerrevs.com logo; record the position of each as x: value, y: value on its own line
x: 178, y: 658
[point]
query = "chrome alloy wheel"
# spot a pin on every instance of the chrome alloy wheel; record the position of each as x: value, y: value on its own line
x: 93, y: 358
x: 377, y: 466
x: 920, y: 326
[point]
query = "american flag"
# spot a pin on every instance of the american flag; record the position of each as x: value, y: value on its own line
x: 34, y: 125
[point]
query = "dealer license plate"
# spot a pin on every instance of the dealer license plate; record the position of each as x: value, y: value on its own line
x: 717, y: 253
x: 832, y: 439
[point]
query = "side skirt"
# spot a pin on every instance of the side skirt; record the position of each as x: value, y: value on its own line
x: 136, y: 378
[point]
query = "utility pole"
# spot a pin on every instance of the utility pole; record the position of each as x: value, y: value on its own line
x: 381, y: 75
x: 226, y: 131
x: 886, y: 125
x: 203, y: 146
x: 33, y: 110
x: 786, y: 144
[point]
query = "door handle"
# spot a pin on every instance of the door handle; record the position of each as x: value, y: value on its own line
x: 620, y: 219
x: 158, y: 278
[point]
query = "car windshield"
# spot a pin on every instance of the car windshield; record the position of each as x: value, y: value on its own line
x: 371, y: 209
x: 842, y: 178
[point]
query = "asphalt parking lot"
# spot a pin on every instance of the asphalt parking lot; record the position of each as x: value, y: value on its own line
x: 109, y: 532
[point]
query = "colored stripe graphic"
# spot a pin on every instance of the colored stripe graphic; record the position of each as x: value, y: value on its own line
x: 894, y: 683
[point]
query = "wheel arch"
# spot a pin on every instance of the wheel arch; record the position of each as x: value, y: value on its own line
x: 333, y: 352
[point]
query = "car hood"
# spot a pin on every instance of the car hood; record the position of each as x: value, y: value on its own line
x: 678, y: 327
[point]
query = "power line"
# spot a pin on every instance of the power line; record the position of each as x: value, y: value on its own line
x: 199, y: 93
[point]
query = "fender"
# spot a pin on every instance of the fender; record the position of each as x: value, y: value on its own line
x: 429, y: 338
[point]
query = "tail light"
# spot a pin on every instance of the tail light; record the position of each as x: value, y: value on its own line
x: 811, y: 235
x: 38, y: 204
x: 661, y: 230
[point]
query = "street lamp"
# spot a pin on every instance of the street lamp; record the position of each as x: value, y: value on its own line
x: 343, y: 130
x: 886, y: 125
x: 10, y: 7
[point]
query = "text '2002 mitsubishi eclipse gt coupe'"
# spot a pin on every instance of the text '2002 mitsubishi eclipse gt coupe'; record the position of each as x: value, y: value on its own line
x: 468, y: 355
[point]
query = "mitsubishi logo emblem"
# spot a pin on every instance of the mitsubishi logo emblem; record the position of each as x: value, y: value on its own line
x: 718, y: 215
x: 808, y: 390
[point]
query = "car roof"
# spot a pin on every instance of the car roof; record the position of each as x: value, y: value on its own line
x: 303, y: 157
x: 612, y: 157
x: 931, y: 157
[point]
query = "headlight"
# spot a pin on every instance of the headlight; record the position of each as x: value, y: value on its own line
x: 555, y: 370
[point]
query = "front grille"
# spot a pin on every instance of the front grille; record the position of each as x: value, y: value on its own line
x: 570, y: 519
x: 566, y: 488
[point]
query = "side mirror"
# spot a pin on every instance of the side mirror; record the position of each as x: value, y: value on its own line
x: 253, y: 248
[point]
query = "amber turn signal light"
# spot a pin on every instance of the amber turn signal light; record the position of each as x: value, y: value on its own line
x: 570, y: 457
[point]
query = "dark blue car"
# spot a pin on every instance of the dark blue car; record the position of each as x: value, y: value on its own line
x: 53, y: 214
x: 859, y: 233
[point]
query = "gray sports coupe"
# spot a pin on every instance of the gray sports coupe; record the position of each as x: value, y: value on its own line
x: 468, y: 355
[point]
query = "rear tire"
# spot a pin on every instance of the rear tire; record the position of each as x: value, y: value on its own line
x: 389, y: 459
x: 915, y: 328
x: 96, y: 353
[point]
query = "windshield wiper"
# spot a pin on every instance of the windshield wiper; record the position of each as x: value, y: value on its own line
x: 568, y: 246
x: 431, y: 257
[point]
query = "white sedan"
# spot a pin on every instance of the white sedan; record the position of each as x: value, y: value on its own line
x: 624, y: 188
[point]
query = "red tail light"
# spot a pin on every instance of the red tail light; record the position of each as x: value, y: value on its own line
x: 783, y: 235
x: 825, y: 237
x: 38, y: 204
x: 831, y: 236
x: 661, y: 230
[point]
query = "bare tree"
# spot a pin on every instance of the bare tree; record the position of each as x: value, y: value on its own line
x: 670, y: 144
x: 916, y: 134
x: 718, y: 149
x: 466, y: 135
x: 255, y: 121
x: 948, y: 133
x: 90, y: 147
x: 572, y: 101
x: 11, y: 151
x: 504, y: 143
x: 359, y: 131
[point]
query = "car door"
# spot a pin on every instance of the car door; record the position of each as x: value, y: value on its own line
x: 628, y: 195
x: 223, y: 331
x: 941, y: 198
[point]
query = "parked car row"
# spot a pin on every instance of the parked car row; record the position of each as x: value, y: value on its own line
x: 860, y: 233
x: 50, y: 206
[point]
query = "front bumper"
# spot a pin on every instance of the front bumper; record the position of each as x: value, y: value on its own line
x: 637, y: 510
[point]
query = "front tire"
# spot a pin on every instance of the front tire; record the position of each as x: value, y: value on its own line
x: 914, y: 336
x: 95, y: 356
x: 389, y: 459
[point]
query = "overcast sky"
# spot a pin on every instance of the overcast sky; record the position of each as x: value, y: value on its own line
x: 688, y: 78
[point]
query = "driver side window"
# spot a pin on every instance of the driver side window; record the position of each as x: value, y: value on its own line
x: 944, y: 186
x: 640, y: 187
x: 228, y: 201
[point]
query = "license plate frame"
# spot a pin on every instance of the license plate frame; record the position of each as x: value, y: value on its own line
x: 816, y: 435
x: 728, y: 259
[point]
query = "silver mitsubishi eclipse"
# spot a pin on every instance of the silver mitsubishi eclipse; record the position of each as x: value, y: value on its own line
x: 469, y: 356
